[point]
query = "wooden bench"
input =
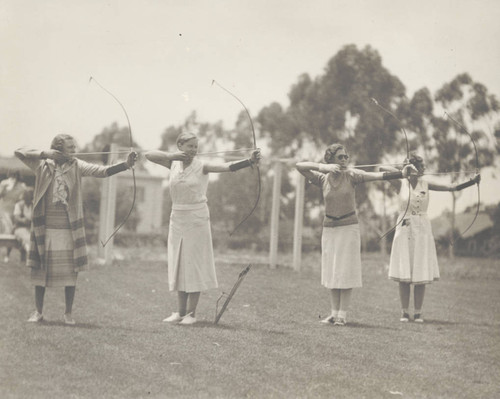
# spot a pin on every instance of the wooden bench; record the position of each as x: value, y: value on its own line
x: 9, y: 241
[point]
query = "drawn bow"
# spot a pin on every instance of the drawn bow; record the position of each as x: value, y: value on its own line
x: 401, y: 127
x: 131, y: 144
x: 254, y: 147
x: 476, y: 170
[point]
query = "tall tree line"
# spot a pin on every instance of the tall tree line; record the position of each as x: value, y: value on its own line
x: 338, y: 106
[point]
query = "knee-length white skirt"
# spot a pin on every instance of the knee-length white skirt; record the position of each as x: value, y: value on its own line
x: 341, y: 257
x: 413, y: 254
x: 191, y: 265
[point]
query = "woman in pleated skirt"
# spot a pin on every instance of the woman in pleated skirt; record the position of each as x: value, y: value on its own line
x: 191, y: 265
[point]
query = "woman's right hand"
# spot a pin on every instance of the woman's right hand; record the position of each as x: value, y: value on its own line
x: 56, y: 155
x: 329, y: 168
x: 179, y: 156
x: 409, y: 169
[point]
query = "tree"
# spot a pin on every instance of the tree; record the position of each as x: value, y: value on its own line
x: 92, y: 192
x: 471, y: 106
x: 337, y: 107
x: 231, y: 195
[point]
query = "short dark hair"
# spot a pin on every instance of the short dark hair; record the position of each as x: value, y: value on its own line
x: 28, y: 194
x: 415, y: 159
x: 331, y: 151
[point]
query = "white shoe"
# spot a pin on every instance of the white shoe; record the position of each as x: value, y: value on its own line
x: 328, y: 320
x: 175, y: 316
x: 418, y: 318
x: 68, y: 319
x: 35, y: 317
x: 188, y: 320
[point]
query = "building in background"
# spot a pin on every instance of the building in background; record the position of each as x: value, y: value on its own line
x: 148, y: 201
x: 12, y: 164
x: 478, y: 240
x: 149, y: 195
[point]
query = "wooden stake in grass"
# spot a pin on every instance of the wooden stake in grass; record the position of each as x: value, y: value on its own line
x: 218, y: 314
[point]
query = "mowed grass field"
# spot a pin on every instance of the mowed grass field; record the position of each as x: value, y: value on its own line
x: 268, y: 344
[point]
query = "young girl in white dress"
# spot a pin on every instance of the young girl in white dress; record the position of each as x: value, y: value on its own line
x: 413, y: 255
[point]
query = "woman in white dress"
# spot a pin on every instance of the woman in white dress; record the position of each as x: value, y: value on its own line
x: 413, y: 255
x: 340, y: 241
x: 191, y: 266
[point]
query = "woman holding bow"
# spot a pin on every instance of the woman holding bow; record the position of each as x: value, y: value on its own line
x: 191, y: 266
x: 413, y: 255
x: 340, y: 240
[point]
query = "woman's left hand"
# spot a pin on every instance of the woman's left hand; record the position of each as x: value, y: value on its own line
x: 256, y: 157
x: 131, y: 158
x: 477, y: 178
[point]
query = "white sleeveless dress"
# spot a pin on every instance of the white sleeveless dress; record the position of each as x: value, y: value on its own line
x: 191, y: 265
x: 413, y: 255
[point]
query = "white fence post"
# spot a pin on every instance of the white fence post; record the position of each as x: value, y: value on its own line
x: 107, y: 212
x: 298, y: 221
x: 275, y: 215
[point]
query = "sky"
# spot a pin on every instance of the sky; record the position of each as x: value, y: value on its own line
x: 159, y: 57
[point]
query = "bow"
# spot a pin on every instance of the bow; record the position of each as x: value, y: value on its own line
x: 254, y: 147
x: 241, y: 276
x: 477, y: 171
x: 407, y: 157
x: 131, y: 143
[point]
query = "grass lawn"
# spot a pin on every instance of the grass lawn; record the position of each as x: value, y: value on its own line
x: 268, y: 344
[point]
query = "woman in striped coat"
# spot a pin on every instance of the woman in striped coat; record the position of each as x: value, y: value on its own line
x: 58, y: 249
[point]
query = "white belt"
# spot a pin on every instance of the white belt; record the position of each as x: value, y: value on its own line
x: 188, y: 207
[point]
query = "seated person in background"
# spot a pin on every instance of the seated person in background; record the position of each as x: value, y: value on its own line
x: 11, y: 190
x: 22, y: 219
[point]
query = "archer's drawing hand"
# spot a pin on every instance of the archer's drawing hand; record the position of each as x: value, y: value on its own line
x: 330, y: 168
x: 56, y: 155
x: 409, y: 170
x: 179, y: 156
